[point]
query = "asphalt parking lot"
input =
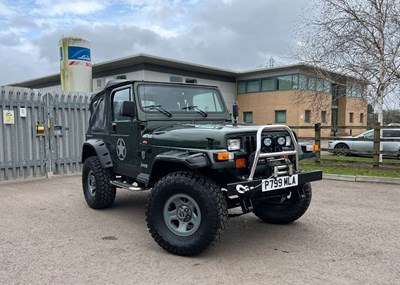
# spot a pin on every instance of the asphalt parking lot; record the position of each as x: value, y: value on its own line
x: 48, y: 235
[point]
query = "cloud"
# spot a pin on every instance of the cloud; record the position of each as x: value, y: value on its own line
x: 19, y: 66
x: 234, y: 34
x: 6, y: 11
x: 74, y: 7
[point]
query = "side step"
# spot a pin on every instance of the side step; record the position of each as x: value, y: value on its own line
x: 126, y: 186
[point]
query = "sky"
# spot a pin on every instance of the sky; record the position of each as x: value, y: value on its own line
x: 237, y: 35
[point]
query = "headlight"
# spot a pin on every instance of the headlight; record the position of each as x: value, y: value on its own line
x: 281, y: 141
x: 267, y: 141
x: 288, y: 141
x: 234, y: 144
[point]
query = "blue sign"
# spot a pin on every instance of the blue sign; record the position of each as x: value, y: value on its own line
x: 78, y: 53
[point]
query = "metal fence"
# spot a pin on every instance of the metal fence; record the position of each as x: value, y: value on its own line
x: 41, y: 133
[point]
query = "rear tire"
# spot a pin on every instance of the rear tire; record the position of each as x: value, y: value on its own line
x: 98, y: 191
x: 341, y: 150
x: 186, y: 213
x: 277, y: 212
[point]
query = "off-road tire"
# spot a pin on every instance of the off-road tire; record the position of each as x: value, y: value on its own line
x: 208, y: 213
x: 98, y: 191
x: 276, y: 212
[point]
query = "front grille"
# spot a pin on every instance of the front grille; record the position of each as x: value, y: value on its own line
x: 250, y: 144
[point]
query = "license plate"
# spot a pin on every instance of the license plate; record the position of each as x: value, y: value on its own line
x: 280, y: 182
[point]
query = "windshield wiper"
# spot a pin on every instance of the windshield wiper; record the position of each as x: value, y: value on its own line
x: 159, y: 109
x: 197, y: 109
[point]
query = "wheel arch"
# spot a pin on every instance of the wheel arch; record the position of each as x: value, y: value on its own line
x: 97, y: 147
x: 173, y: 161
x: 342, y: 143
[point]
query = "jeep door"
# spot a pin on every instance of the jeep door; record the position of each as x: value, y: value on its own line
x: 124, y: 134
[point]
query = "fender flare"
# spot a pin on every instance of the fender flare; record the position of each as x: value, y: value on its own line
x: 191, y: 160
x: 100, y: 149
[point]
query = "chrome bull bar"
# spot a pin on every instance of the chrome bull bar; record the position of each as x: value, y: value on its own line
x: 259, y: 155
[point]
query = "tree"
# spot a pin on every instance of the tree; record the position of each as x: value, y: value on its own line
x: 357, y: 38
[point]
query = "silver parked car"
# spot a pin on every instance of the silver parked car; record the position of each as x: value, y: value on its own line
x: 364, y: 143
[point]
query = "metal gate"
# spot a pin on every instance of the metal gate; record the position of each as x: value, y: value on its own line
x: 41, y: 134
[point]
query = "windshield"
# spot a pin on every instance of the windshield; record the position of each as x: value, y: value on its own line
x: 180, y: 99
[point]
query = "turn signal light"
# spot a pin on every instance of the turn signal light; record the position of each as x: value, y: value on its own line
x: 315, y: 147
x: 240, y: 162
x: 223, y: 156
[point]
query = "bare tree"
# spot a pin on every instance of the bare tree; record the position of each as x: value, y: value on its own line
x: 357, y: 38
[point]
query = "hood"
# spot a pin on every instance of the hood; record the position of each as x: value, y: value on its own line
x: 212, y: 136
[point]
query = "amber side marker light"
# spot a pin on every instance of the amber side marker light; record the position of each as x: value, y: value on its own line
x: 223, y: 156
x: 315, y: 148
x: 240, y: 162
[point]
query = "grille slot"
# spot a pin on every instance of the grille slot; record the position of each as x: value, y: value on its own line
x: 250, y: 144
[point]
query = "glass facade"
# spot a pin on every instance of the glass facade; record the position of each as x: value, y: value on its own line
x: 284, y: 82
x: 268, y: 84
x: 355, y: 90
x: 253, y: 86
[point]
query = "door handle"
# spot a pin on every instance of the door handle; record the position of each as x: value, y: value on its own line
x: 114, y: 127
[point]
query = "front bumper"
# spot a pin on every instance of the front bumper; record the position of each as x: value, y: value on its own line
x: 251, y: 186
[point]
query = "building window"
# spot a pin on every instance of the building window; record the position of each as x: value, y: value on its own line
x: 280, y: 117
x: 312, y: 83
x: 268, y: 84
x: 241, y: 87
x: 307, y: 116
x: 295, y: 81
x: 303, y: 82
x: 351, y: 118
x: 355, y: 90
x: 253, y: 86
x: 362, y: 118
x: 323, y: 117
x: 248, y: 117
x: 284, y: 82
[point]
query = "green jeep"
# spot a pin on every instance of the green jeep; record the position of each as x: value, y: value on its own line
x: 180, y: 142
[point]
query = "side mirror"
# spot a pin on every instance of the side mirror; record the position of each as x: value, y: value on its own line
x: 128, y: 109
x: 235, y: 113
